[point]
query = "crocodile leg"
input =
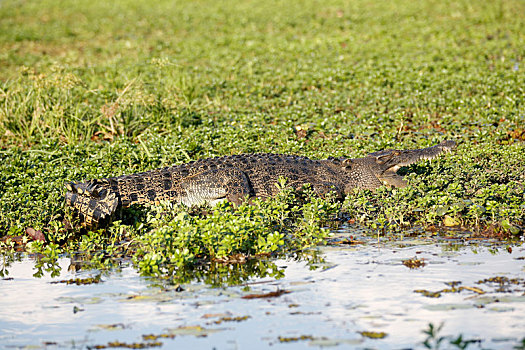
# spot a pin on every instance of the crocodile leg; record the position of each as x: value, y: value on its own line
x: 393, y: 179
x: 215, y: 186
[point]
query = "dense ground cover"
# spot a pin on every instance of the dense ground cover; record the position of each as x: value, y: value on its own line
x: 94, y: 88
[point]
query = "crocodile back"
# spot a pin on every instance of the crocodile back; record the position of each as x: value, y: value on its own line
x: 96, y: 200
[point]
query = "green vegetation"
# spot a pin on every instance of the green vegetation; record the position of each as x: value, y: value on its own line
x: 434, y: 341
x: 94, y: 89
x: 179, y: 239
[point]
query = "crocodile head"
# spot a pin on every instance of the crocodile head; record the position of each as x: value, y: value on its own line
x: 385, y: 164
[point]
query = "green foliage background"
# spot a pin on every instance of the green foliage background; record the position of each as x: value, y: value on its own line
x: 101, y: 88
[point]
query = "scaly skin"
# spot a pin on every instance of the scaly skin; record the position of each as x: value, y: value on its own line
x: 235, y: 178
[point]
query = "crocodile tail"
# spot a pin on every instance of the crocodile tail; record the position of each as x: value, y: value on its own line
x: 94, y: 204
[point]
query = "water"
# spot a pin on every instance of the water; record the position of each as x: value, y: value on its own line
x: 357, y: 289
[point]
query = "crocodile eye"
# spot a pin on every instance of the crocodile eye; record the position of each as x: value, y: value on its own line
x: 348, y: 167
x: 347, y: 164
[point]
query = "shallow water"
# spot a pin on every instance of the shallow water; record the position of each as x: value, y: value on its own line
x: 358, y: 288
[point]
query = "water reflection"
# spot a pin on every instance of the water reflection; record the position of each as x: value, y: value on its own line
x: 343, y: 297
x: 213, y: 274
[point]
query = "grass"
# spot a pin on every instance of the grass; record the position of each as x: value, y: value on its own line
x: 94, y: 89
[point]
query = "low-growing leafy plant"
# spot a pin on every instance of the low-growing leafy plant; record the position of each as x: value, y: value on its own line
x: 434, y: 340
x: 176, y: 239
x: 132, y: 87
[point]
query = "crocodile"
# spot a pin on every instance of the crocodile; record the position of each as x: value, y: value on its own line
x: 237, y: 178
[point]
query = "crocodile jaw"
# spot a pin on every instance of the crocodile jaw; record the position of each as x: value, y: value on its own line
x: 391, y: 161
x: 405, y: 158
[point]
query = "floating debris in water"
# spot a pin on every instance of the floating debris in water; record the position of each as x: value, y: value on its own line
x: 294, y: 339
x: 437, y: 294
x: 231, y: 319
x: 414, y: 263
x: 80, y: 281
x: 118, y: 344
x: 373, y: 335
x: 275, y: 294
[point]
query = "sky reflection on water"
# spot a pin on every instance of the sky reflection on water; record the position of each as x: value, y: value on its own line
x: 358, y: 289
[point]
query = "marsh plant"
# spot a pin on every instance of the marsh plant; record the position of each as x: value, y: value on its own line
x: 97, y: 89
